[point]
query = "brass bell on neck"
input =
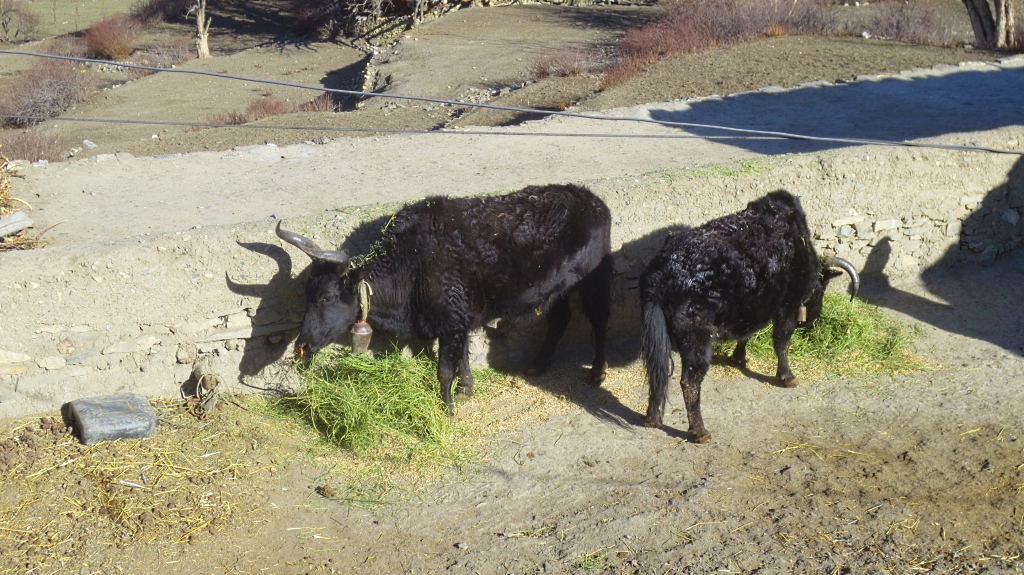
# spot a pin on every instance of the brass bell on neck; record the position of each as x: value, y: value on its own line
x: 801, y: 315
x: 361, y: 334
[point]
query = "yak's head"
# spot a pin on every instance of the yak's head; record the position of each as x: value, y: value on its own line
x: 828, y: 271
x: 331, y: 302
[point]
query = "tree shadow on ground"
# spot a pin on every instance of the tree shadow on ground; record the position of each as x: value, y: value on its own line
x: 894, y: 109
x: 980, y: 294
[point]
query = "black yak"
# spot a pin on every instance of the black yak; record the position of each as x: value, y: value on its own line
x: 447, y: 265
x: 728, y: 279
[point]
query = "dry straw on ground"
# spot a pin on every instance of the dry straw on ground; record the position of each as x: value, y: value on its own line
x: 63, y: 503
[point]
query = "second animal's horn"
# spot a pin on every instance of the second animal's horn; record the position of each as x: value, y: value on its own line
x: 848, y: 268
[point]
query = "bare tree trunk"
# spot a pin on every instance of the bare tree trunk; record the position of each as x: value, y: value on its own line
x: 1005, y: 25
x: 982, y: 21
x: 202, y: 29
x: 993, y: 29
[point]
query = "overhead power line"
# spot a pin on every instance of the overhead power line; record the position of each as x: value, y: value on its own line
x: 362, y: 94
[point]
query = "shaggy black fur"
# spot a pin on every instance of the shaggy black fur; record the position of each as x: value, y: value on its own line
x: 445, y: 266
x: 728, y: 278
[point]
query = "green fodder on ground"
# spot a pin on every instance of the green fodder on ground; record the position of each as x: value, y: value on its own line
x: 386, y: 415
x: 850, y: 338
x: 379, y: 405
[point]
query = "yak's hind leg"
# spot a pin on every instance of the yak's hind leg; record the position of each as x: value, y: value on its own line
x: 782, y: 333
x: 465, y: 388
x: 596, y: 293
x: 695, y: 351
x: 452, y: 349
x: 558, y: 317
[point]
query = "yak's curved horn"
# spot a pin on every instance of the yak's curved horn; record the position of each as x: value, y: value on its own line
x: 848, y: 268
x: 311, y: 249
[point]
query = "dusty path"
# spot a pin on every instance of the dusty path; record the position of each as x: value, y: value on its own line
x: 127, y: 196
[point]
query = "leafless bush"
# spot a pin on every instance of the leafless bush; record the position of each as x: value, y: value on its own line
x: 46, y: 90
x: 920, y: 23
x: 32, y: 145
x: 65, y: 46
x: 153, y: 11
x: 269, y: 106
x: 567, y: 62
x: 17, y: 22
x: 113, y: 38
x: 322, y: 103
x: 693, y: 25
x: 164, y: 51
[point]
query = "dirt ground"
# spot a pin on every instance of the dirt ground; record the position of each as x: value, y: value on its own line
x: 921, y: 472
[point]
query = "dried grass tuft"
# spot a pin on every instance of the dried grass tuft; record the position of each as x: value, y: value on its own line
x: 191, y: 480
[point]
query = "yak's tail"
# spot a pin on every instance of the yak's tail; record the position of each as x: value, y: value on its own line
x: 657, y: 355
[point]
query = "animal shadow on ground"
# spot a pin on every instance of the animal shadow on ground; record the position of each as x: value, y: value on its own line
x: 515, y: 341
x: 982, y: 294
x: 278, y: 297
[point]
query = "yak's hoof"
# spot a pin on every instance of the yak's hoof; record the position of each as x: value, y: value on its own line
x: 738, y: 362
x: 597, y: 377
x: 652, y: 422
x: 702, y: 437
x: 788, y: 382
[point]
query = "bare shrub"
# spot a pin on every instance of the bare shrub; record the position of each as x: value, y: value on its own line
x: 567, y: 62
x: 65, y: 46
x: 153, y: 11
x: 17, y: 21
x: 268, y: 106
x: 322, y: 103
x: 46, y: 90
x: 113, y: 38
x: 920, y: 23
x: 232, y: 118
x: 164, y: 51
x: 32, y: 145
x: 693, y: 25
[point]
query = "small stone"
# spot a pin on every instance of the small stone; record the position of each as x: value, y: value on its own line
x: 7, y: 357
x: 882, y: 225
x: 987, y: 467
x: 52, y: 362
x: 186, y: 353
x: 462, y: 545
x: 847, y: 221
x: 953, y: 228
x: 1011, y: 217
x: 845, y: 232
x: 988, y: 256
x: 65, y: 346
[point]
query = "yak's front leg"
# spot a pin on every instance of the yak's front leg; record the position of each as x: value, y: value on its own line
x: 451, y: 350
x: 739, y: 355
x: 782, y: 333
